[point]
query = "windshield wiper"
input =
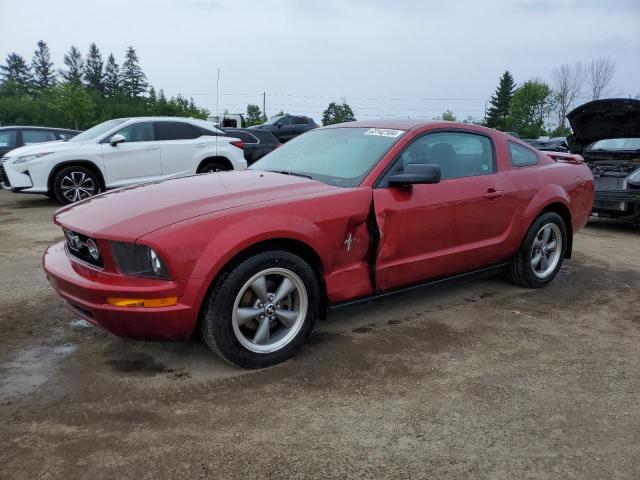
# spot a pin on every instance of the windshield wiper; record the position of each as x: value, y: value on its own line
x: 289, y: 172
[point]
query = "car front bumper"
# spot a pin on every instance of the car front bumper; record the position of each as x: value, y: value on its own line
x: 28, y: 177
x: 86, y: 289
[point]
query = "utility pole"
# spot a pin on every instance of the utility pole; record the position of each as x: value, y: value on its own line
x: 264, y: 104
x: 217, y: 88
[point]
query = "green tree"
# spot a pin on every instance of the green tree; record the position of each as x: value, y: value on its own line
x: 254, y: 115
x: 134, y: 81
x: 44, y: 75
x: 531, y: 106
x: 76, y: 105
x: 337, y: 114
x: 75, y: 67
x: 112, y: 81
x: 17, y: 71
x: 449, y: 116
x: 94, y: 70
x: 498, y: 113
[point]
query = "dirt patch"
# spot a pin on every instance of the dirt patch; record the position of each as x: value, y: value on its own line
x: 480, y: 380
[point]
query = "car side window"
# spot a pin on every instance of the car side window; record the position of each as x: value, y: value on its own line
x: 459, y: 154
x: 176, y: 131
x: 136, y: 132
x: 284, y: 121
x: 30, y: 137
x: 299, y: 121
x: 7, y: 139
x: 522, y: 156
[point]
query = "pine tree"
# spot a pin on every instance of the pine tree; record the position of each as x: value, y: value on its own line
x: 93, y: 70
x: 134, y: 81
x: 152, y: 101
x: 111, y: 77
x: 44, y: 75
x: 16, y: 70
x: 75, y: 67
x: 498, y: 113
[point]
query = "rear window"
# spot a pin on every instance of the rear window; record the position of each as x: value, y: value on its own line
x: 246, y: 137
x: 37, y: 136
x: 522, y: 156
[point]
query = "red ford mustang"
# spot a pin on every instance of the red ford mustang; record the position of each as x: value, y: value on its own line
x: 251, y: 259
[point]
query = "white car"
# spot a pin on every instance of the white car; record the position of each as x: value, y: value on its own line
x: 120, y: 152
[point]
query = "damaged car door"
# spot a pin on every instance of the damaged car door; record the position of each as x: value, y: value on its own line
x: 453, y: 226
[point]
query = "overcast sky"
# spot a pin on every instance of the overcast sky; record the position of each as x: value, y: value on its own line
x: 386, y: 58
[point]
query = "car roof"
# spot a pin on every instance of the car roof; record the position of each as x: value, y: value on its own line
x: 189, y: 119
x: 417, y: 123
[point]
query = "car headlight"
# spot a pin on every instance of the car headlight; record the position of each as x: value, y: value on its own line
x: 139, y: 260
x: 634, y: 177
x: 28, y: 158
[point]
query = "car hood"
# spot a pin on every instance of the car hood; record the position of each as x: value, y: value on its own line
x: 601, y: 119
x: 53, y: 147
x: 131, y: 212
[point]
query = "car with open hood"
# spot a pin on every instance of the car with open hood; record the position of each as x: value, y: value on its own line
x: 607, y: 135
x: 250, y: 259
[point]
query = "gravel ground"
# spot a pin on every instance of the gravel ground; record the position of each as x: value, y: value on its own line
x: 477, y: 380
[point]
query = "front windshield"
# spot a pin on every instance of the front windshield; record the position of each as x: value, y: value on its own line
x: 272, y: 120
x: 337, y: 156
x: 613, y: 144
x: 95, y: 132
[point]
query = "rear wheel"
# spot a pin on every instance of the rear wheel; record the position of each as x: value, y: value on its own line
x: 212, y: 167
x: 75, y: 183
x: 540, y: 257
x: 262, y: 311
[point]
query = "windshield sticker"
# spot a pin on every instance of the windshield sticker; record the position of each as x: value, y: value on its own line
x: 384, y: 132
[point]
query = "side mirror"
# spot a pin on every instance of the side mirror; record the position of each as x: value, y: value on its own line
x: 415, y: 173
x: 116, y: 139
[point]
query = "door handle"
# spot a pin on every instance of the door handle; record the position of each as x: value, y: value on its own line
x: 201, y: 145
x: 492, y: 194
x: 152, y: 147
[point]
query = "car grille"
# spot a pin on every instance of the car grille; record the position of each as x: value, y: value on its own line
x: 77, y: 247
x: 4, y: 179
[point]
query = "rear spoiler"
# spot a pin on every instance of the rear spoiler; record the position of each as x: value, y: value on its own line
x: 565, y: 157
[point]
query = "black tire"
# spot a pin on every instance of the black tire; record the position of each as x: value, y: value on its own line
x: 217, y: 326
x: 80, y: 175
x: 521, y: 271
x: 212, y: 167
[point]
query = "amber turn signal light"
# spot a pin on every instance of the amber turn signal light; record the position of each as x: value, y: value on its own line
x: 142, y: 302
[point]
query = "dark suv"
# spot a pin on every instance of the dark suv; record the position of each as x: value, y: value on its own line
x: 14, y: 137
x: 257, y: 143
x: 285, y: 127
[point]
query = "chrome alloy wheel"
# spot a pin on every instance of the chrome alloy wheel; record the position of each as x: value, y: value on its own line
x: 546, y: 250
x: 77, y: 185
x: 269, y: 310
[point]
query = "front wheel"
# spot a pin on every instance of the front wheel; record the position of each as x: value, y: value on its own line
x: 75, y: 183
x: 540, y: 257
x: 262, y: 311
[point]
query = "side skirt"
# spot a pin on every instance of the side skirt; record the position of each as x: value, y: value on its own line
x: 483, y: 272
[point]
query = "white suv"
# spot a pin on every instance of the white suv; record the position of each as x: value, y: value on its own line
x: 120, y: 152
